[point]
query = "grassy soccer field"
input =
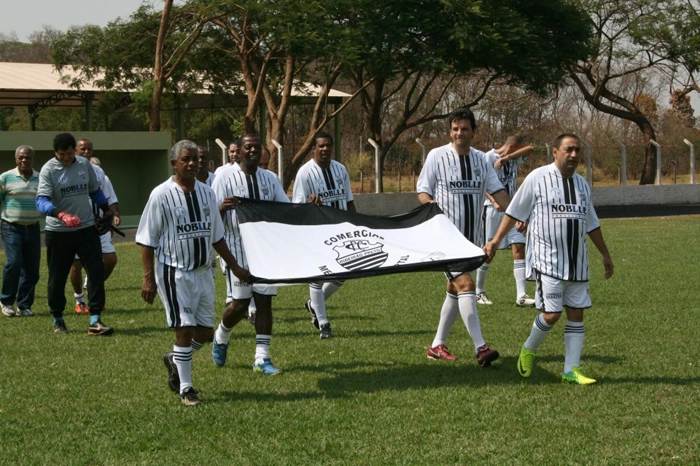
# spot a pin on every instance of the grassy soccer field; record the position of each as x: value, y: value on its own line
x: 369, y: 395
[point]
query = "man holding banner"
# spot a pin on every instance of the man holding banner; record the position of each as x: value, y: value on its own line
x: 457, y: 178
x: 323, y: 181
x: 232, y: 186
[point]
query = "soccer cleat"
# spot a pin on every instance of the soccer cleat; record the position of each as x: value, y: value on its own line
x: 440, y: 352
x: 481, y: 298
x: 265, y: 367
x: 81, y: 308
x: 189, y: 397
x: 173, y: 376
x: 310, y: 310
x: 575, y: 376
x: 9, y: 311
x: 525, y: 301
x: 326, y: 331
x: 60, y: 327
x: 100, y: 329
x: 218, y: 353
x: 25, y: 313
x: 485, y: 355
x: 251, y: 317
x: 526, y: 360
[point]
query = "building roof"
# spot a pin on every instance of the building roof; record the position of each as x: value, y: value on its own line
x: 40, y: 85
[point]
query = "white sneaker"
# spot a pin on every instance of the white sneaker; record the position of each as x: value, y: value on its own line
x: 481, y: 298
x: 8, y: 311
x: 525, y: 301
x: 25, y: 313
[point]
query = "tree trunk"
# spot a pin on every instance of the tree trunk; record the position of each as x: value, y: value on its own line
x: 649, y: 167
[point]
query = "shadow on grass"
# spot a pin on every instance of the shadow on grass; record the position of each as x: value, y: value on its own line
x: 138, y: 331
x: 348, y: 380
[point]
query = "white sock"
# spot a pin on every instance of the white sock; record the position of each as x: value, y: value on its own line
x: 481, y: 274
x: 448, y: 316
x: 540, y: 330
x: 329, y: 288
x: 79, y: 298
x: 519, y: 274
x: 318, y: 302
x: 573, y: 342
x: 223, y: 334
x: 262, y: 347
x: 183, y: 360
x: 467, y: 308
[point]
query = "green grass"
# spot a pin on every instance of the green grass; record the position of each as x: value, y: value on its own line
x: 369, y: 395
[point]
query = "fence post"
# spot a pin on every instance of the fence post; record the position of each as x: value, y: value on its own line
x: 423, y: 151
x: 377, y: 168
x: 692, y: 160
x: 280, y: 161
x: 658, y: 161
x: 224, y: 151
x: 589, y: 164
x: 549, y: 153
x: 623, y: 162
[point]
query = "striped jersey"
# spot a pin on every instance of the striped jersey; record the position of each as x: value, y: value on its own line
x: 331, y: 184
x: 106, y: 187
x: 18, y: 197
x: 561, y: 214
x: 181, y: 226
x: 232, y: 181
x: 507, y: 174
x: 459, y: 185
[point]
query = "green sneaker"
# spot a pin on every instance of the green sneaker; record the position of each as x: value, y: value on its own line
x: 575, y: 376
x: 526, y: 360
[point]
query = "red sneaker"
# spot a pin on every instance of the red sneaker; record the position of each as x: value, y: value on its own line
x: 81, y: 308
x: 485, y: 355
x: 440, y: 352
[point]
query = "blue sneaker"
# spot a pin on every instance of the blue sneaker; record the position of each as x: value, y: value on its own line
x: 218, y: 353
x: 265, y: 367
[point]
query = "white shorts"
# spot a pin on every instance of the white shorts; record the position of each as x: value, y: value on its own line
x: 236, y: 290
x: 107, y: 245
x: 188, y: 296
x: 552, y: 294
x: 492, y: 219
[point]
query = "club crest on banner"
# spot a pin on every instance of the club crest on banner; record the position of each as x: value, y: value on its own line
x: 360, y: 254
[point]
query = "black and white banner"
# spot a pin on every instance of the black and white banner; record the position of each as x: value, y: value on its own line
x: 301, y: 243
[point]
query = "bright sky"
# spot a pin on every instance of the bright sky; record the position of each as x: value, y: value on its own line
x: 26, y: 16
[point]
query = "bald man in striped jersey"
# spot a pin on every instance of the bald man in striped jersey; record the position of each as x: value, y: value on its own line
x: 558, y: 203
x: 323, y: 181
x: 179, y: 226
x: 457, y: 177
x: 233, y: 185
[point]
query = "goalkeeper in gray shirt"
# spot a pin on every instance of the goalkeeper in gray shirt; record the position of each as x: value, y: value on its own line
x: 65, y: 184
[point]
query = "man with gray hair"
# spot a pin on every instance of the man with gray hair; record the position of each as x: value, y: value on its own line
x: 179, y: 226
x: 20, y: 234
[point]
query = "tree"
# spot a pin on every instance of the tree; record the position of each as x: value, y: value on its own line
x: 145, y: 56
x: 627, y: 44
x: 37, y: 50
x: 279, y: 46
x: 415, y: 50
x: 681, y: 108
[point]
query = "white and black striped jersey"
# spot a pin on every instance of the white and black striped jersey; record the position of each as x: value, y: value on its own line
x: 181, y: 226
x: 232, y: 181
x: 459, y: 185
x: 331, y: 184
x: 507, y: 174
x: 561, y: 214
